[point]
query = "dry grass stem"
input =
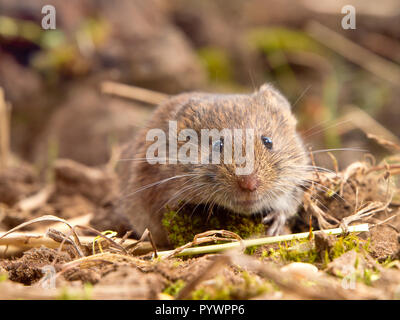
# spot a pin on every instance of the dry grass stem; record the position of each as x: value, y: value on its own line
x: 4, y: 131
x: 134, y: 93
x: 381, y: 67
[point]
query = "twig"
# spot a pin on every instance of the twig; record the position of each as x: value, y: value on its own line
x: 131, y: 92
x: 81, y: 220
x: 111, y: 241
x: 260, y: 241
x: 206, y: 237
x: 385, y: 221
x: 33, y: 240
x: 381, y: 67
x: 383, y: 167
x: 146, y: 234
x: 4, y: 131
x: 384, y: 142
x: 334, y: 162
x: 62, y: 239
x: 27, y: 240
x: 367, y: 211
x: 362, y: 120
x: 349, y: 172
x: 318, y: 213
x: 43, y: 219
x: 37, y: 200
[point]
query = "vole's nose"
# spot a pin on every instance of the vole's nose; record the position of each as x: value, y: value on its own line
x: 249, y: 182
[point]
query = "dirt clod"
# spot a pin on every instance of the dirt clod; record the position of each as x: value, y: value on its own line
x: 324, y: 243
x: 28, y: 268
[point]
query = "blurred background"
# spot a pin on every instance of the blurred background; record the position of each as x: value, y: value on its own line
x: 342, y: 83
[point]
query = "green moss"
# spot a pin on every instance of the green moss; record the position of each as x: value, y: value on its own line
x: 67, y: 294
x: 366, y: 245
x: 368, y: 276
x: 275, y: 43
x: 251, y: 250
x: 292, y: 251
x: 345, y: 244
x: 271, y: 253
x: 266, y: 253
x: 388, y: 263
x: 298, y: 251
x: 217, y: 63
x: 326, y: 258
x: 276, y: 39
x: 219, y: 291
x: 182, y: 227
x: 174, y: 288
x: 3, y: 277
x: 304, y: 250
x: 176, y: 263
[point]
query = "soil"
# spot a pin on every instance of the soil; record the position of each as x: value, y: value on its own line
x: 209, y: 276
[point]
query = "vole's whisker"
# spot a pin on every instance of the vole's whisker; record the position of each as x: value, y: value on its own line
x: 301, y: 95
x: 187, y: 198
x: 158, y: 183
x: 315, y: 195
x: 209, y: 198
x: 339, y: 149
x: 213, y: 203
x: 324, y: 129
x: 321, y: 204
x: 194, y: 187
x: 190, y: 192
x: 324, y: 188
x: 313, y: 168
x: 203, y: 199
x: 316, y: 126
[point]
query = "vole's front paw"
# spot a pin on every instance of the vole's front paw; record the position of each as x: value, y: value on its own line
x: 277, y: 220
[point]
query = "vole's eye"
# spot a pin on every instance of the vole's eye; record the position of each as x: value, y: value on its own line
x: 267, y: 142
x: 218, y: 145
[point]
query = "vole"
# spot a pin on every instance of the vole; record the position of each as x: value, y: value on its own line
x: 273, y: 188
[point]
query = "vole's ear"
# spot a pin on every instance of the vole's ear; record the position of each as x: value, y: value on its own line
x: 272, y: 95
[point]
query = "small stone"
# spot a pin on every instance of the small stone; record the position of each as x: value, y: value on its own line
x: 301, y: 269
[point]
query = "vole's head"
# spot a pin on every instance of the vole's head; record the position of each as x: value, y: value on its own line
x: 274, y: 169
